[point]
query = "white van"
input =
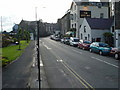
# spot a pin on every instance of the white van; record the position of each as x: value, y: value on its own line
x: 74, y: 41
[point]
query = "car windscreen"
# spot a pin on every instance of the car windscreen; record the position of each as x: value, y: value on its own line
x: 76, y: 40
x: 87, y: 42
x: 103, y: 45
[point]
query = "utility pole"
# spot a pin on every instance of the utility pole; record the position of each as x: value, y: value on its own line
x: 38, y: 46
x: 36, y: 13
x: 38, y: 52
x: 1, y: 25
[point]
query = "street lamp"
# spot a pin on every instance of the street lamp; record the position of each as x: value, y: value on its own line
x: 38, y: 47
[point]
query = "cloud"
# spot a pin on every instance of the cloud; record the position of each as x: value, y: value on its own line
x: 8, y: 22
x: 13, y: 11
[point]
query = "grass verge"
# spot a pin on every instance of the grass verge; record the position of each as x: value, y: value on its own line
x: 11, y: 53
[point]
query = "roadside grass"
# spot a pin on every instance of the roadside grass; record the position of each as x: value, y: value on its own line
x: 11, y: 53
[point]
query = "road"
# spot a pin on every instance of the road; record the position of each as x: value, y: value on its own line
x: 69, y: 67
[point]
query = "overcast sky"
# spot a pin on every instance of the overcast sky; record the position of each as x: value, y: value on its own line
x: 13, y: 11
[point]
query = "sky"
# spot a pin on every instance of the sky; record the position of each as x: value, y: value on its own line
x: 13, y: 11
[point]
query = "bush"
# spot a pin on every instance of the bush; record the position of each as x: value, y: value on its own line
x: 6, y: 40
x: 5, y: 61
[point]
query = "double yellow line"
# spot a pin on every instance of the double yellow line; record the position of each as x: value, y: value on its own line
x: 80, y: 79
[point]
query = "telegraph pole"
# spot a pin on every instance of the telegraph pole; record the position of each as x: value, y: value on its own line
x: 38, y: 52
x: 1, y: 25
x: 38, y: 46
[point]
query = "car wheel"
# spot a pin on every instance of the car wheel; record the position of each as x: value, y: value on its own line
x: 90, y: 50
x: 116, y: 56
x: 100, y: 52
x: 83, y: 48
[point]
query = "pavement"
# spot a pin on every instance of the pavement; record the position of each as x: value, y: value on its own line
x: 23, y: 72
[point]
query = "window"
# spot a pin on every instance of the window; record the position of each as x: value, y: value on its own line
x: 101, y: 15
x: 88, y: 36
x: 71, y: 16
x: 75, y: 25
x: 75, y: 7
x: 81, y: 36
x: 98, y: 39
x: 113, y: 29
x: 74, y: 17
x: 85, y: 29
x: 72, y: 25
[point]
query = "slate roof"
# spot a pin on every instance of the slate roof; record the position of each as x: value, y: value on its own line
x: 99, y: 23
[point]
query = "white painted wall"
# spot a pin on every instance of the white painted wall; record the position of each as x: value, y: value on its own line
x: 88, y: 30
x: 95, y: 13
x: 94, y: 33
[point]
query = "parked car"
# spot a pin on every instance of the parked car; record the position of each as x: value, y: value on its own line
x: 52, y: 37
x: 115, y: 52
x: 62, y: 40
x: 84, y: 44
x: 74, y: 41
x: 17, y: 43
x: 101, y: 48
x: 56, y: 38
x: 67, y: 40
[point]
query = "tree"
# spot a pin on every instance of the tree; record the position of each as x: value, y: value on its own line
x: 108, y: 38
x: 19, y: 37
x: 26, y: 35
x: 73, y: 30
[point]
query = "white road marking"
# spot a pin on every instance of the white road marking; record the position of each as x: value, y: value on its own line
x: 41, y: 63
x: 77, y: 51
x: 105, y: 62
x: 87, y: 68
x: 59, y: 60
x: 33, y: 65
x: 47, y: 47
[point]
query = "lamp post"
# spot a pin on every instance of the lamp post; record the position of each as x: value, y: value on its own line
x: 38, y: 53
x: 38, y: 47
x: 1, y: 25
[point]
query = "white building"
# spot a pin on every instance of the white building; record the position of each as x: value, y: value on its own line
x: 92, y: 29
x: 79, y: 10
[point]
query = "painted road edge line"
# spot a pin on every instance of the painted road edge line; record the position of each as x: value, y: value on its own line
x: 105, y: 62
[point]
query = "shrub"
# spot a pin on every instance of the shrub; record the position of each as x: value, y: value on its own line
x: 6, y: 40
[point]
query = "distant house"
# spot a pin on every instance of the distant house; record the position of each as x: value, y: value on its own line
x: 93, y: 28
x: 15, y: 28
x: 65, y: 23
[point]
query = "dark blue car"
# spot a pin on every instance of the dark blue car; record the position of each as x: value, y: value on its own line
x: 100, y: 47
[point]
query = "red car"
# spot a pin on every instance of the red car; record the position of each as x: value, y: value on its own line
x: 84, y: 44
x: 115, y: 52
